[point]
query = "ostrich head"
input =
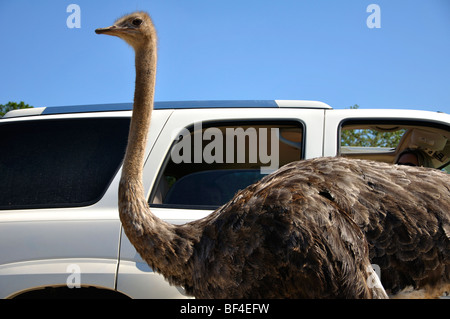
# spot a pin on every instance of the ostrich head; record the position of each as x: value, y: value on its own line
x: 136, y: 29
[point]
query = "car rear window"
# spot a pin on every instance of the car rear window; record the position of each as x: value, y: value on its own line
x: 59, y: 163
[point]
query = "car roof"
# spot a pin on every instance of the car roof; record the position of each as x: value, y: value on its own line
x: 169, y: 105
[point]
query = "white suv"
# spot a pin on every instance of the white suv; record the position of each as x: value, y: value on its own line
x: 60, y: 234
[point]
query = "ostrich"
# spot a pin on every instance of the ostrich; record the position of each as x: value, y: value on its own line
x: 308, y: 230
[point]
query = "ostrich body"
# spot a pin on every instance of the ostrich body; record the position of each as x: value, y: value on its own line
x: 306, y: 231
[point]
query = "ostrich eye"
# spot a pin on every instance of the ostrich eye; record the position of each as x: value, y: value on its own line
x: 137, y: 22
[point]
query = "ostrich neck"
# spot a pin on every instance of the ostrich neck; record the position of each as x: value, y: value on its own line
x: 162, y: 245
x: 142, y: 111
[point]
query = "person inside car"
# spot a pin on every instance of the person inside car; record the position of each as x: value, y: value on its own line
x: 413, y: 157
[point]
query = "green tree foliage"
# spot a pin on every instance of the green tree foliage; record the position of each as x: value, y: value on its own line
x: 5, y: 108
x: 370, y: 137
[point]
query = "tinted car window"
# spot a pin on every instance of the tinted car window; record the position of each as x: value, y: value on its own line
x: 209, y: 162
x: 59, y: 163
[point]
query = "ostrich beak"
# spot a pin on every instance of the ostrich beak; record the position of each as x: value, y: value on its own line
x: 115, y: 30
x: 108, y: 30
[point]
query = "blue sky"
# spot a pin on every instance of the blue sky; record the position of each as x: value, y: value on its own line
x: 232, y: 49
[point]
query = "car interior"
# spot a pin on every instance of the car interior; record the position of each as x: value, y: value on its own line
x: 433, y: 141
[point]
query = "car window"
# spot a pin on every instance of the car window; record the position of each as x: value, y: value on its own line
x: 59, y: 163
x: 389, y: 140
x: 209, y: 162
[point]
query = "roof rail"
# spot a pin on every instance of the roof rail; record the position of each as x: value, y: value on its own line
x: 169, y: 105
